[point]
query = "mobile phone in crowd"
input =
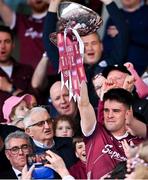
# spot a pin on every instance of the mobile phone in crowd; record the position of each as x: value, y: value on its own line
x: 40, y: 171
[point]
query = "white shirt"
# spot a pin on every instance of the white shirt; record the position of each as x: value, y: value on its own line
x: 17, y: 172
x: 41, y: 145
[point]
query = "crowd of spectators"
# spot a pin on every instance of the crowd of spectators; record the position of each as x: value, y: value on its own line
x: 45, y: 133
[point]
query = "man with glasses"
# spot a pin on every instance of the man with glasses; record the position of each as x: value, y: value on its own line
x: 39, y: 126
x: 17, y: 146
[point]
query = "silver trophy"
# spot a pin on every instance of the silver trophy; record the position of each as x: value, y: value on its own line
x: 79, y: 17
x: 76, y: 16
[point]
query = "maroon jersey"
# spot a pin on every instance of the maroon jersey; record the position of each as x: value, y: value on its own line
x: 104, y: 152
x: 78, y: 170
x: 30, y: 31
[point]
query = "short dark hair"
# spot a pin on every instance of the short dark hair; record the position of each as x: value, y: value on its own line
x: 119, y: 94
x: 77, y: 139
x: 6, y: 29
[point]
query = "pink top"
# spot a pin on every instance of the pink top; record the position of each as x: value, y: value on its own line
x: 141, y: 87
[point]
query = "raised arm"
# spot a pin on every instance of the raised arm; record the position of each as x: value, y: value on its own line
x: 50, y: 27
x: 135, y: 126
x: 39, y: 78
x: 120, y: 41
x: 7, y: 14
x: 87, y: 113
x: 141, y: 87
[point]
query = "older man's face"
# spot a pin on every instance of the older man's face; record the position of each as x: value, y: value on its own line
x: 41, y: 128
x: 17, y: 158
x: 60, y: 100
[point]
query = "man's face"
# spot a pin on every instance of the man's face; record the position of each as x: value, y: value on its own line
x: 118, y: 77
x: 41, y: 129
x: 80, y: 151
x: 114, y: 117
x: 93, y: 48
x: 130, y: 3
x: 6, y: 47
x: 18, y: 159
x: 38, y: 6
x: 60, y: 100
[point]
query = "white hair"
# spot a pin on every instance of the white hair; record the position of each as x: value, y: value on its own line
x: 28, y: 117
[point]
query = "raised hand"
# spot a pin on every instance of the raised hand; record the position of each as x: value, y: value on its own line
x: 98, y: 81
x: 130, y: 150
x: 56, y: 163
x: 54, y: 5
x: 27, y: 174
x: 129, y: 83
x: 84, y: 99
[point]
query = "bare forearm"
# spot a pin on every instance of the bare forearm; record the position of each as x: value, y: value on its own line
x: 139, y: 128
x: 40, y: 73
x: 54, y: 5
x: 88, y: 118
x: 6, y: 13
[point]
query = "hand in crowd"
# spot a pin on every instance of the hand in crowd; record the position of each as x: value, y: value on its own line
x: 129, y: 119
x: 5, y: 85
x: 129, y: 83
x: 107, y: 85
x: 98, y: 81
x: 56, y: 163
x: 54, y: 5
x: 27, y: 174
x: 129, y: 65
x: 130, y: 150
x: 112, y: 31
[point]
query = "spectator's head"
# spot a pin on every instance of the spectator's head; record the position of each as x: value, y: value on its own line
x: 17, y: 146
x: 60, y: 100
x: 117, y: 74
x: 93, y: 48
x: 131, y: 5
x: 38, y: 125
x: 117, y: 103
x: 6, y: 44
x: 64, y: 126
x: 38, y: 6
x: 15, y: 108
x: 79, y: 147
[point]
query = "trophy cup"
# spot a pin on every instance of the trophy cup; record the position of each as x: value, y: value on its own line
x: 74, y: 21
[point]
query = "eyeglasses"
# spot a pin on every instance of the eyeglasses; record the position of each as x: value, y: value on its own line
x: 15, y: 150
x: 42, y: 123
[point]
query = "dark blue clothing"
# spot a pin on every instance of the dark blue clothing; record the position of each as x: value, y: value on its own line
x: 8, y: 174
x: 138, y: 37
x: 63, y: 147
x: 117, y: 56
x: 5, y: 130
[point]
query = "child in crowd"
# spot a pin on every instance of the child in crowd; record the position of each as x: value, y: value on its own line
x: 64, y: 126
x: 78, y: 170
x: 15, y: 108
